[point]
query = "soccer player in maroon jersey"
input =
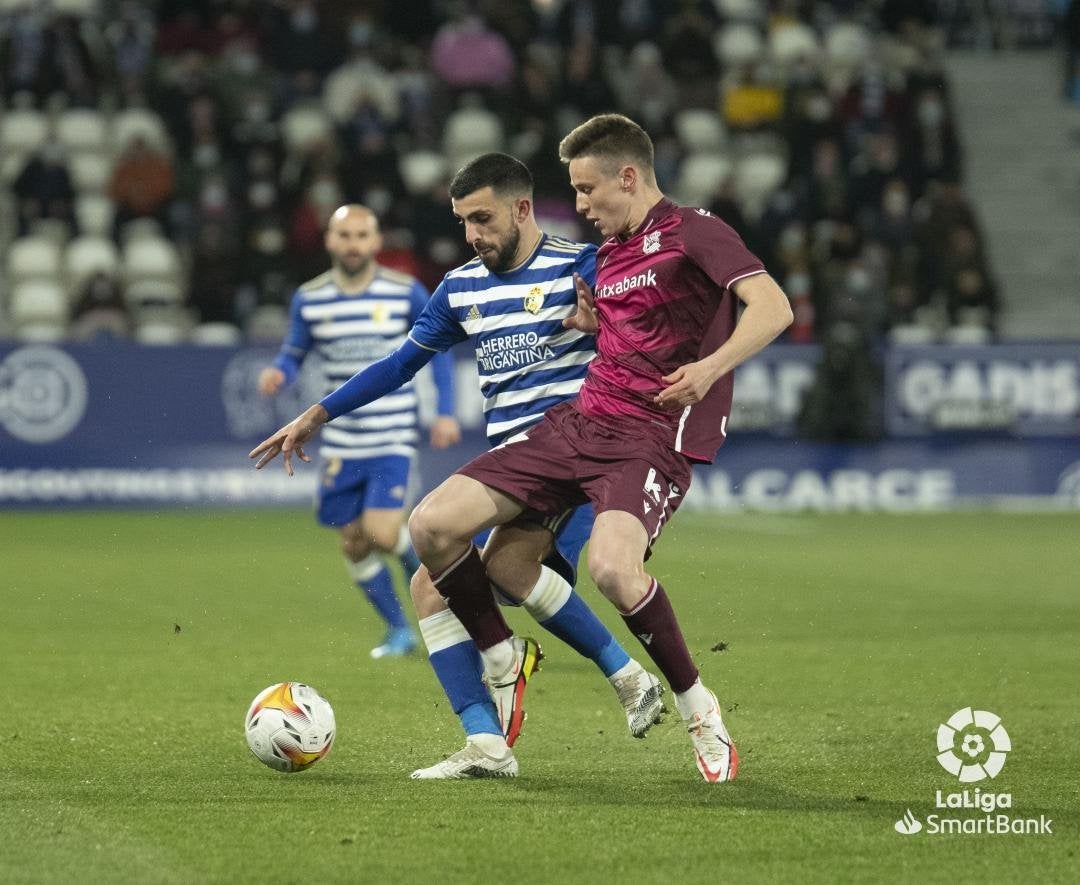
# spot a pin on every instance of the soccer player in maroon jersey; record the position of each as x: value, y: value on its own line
x: 655, y: 400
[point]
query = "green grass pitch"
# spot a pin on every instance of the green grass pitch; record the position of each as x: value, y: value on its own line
x: 132, y: 643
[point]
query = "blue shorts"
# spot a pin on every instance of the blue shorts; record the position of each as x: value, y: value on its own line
x: 571, y: 533
x: 349, y: 487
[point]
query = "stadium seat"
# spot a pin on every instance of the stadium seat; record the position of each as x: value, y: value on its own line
x: 700, y: 130
x: 968, y: 335
x: 472, y: 131
x: 740, y: 10
x: 153, y: 292
x: 422, y: 170
x: 700, y: 177
x: 757, y: 176
x: 94, y: 214
x: 90, y: 171
x: 55, y: 230
x: 87, y: 255
x: 911, y: 333
x: 267, y: 324
x: 77, y: 8
x: 22, y: 131
x: 304, y: 125
x: 10, y: 167
x: 792, y: 42
x: 152, y: 258
x: 141, y: 229
x: 33, y: 258
x: 139, y: 123
x: 38, y: 302
x: 847, y: 45
x: 160, y: 333
x: 81, y: 129
x: 216, y: 335
x: 738, y: 44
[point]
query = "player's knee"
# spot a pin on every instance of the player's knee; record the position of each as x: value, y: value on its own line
x: 426, y: 599
x: 355, y: 546
x: 430, y: 533
x: 384, y: 538
x: 612, y: 573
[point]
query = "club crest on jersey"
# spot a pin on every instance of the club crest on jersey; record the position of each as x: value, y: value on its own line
x: 534, y: 300
x: 380, y: 312
x: 651, y: 243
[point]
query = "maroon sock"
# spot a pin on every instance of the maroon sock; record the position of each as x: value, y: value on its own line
x: 467, y: 590
x: 653, y: 622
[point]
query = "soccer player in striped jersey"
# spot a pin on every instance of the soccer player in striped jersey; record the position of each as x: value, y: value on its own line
x: 509, y: 302
x: 351, y: 316
x: 655, y: 400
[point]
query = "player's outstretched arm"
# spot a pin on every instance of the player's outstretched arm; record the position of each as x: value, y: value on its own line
x: 290, y: 438
x: 766, y: 315
x: 585, y: 319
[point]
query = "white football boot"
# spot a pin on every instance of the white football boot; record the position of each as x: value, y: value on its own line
x: 714, y: 751
x: 468, y: 763
x: 641, y: 695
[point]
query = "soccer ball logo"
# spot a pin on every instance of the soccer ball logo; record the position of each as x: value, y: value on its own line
x: 972, y: 745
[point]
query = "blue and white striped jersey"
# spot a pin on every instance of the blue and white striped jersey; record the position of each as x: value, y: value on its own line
x: 527, y: 361
x: 349, y: 332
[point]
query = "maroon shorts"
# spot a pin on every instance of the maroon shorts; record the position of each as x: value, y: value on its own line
x: 570, y: 458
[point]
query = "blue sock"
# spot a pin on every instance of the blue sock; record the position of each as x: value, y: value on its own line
x: 410, y: 562
x: 456, y: 661
x: 559, y: 610
x: 373, y: 577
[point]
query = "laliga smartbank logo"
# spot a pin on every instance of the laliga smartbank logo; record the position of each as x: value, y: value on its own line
x: 972, y: 746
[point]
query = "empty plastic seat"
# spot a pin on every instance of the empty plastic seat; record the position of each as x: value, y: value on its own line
x: 422, y: 170
x: 150, y: 291
x: 82, y: 129
x: 700, y: 130
x: 740, y: 10
x: 22, y: 131
x: 87, y: 255
x: 757, y: 176
x: 847, y: 44
x: 267, y: 324
x: 470, y: 130
x: 700, y: 177
x: 141, y: 123
x: 90, y: 171
x: 793, y: 41
x: 304, y: 125
x: 94, y: 214
x: 150, y: 258
x: 140, y: 229
x: 38, y: 301
x: 77, y: 8
x: 911, y: 333
x: 216, y: 335
x: 738, y: 44
x: 33, y: 258
x: 160, y: 332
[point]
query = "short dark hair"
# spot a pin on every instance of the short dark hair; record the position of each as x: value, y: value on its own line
x: 609, y: 137
x: 501, y: 172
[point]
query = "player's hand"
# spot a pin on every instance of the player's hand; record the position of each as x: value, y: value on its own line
x: 270, y: 381
x: 445, y: 432
x: 585, y: 320
x: 289, y: 439
x: 686, y: 385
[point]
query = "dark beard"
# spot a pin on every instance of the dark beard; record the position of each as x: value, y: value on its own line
x: 503, y: 259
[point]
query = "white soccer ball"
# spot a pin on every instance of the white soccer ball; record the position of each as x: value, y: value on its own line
x: 290, y: 726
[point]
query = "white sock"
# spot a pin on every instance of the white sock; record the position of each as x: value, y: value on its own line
x: 626, y: 669
x: 404, y: 541
x: 364, y: 570
x: 442, y: 630
x: 492, y: 744
x: 696, y: 699
x: 499, y: 658
x: 548, y: 595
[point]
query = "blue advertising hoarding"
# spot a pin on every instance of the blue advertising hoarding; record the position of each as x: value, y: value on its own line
x: 132, y: 425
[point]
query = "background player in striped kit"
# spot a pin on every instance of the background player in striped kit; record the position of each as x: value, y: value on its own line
x: 352, y: 315
x: 509, y: 302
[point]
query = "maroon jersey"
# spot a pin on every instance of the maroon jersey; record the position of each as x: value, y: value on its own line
x: 664, y: 299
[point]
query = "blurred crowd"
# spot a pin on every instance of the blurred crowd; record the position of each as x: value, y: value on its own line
x: 173, y: 164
